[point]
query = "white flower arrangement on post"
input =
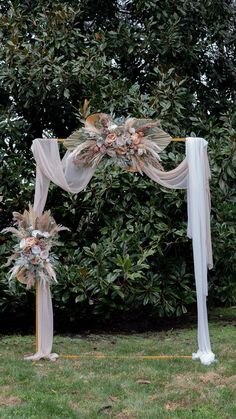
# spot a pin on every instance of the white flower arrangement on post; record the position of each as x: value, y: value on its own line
x: 33, y: 260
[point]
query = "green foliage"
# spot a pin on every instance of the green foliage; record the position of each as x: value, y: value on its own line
x: 127, y: 250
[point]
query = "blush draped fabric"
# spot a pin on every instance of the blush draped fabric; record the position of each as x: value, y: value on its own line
x: 45, y: 326
x: 192, y: 174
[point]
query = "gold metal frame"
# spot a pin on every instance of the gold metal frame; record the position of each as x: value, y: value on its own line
x: 61, y: 140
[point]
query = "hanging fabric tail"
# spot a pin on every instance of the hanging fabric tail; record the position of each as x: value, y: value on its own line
x: 199, y: 231
x: 45, y: 325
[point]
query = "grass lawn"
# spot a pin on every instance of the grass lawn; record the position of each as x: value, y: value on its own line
x: 122, y: 388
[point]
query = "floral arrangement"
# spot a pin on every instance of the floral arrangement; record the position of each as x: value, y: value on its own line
x: 131, y: 145
x: 33, y: 261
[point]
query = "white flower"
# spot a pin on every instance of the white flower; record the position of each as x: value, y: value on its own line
x: 35, y: 250
x: 45, y: 234
x: 120, y: 141
x: 22, y: 244
x: 36, y: 233
x: 112, y: 127
x: 132, y: 130
x: 140, y: 151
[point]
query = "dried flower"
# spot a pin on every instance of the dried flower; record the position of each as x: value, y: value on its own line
x: 27, y: 243
x: 44, y: 254
x: 27, y: 251
x: 21, y: 276
x: 127, y: 143
x: 103, y: 149
x: 140, y: 151
x: 22, y: 244
x: 96, y: 149
x: 31, y: 258
x: 135, y: 139
x: 36, y: 233
x: 110, y: 138
x: 120, y: 141
x: 42, y: 243
x: 35, y: 250
x: 121, y: 150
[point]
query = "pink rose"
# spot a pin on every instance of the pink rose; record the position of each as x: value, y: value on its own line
x: 44, y: 254
x: 29, y: 242
x: 110, y: 138
x: 121, y: 150
x: 35, y: 261
x: 96, y: 149
x: 135, y: 139
x: 27, y: 251
x: 42, y: 244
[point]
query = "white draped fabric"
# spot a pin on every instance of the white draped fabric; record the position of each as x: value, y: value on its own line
x: 45, y: 326
x: 192, y: 174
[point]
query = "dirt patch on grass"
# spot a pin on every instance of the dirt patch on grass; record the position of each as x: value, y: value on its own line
x: 184, y: 382
x: 194, y: 382
x: 10, y: 401
x: 6, y: 389
x: 188, y: 389
x: 41, y: 371
x: 153, y: 397
x: 218, y: 380
x: 211, y: 377
x: 200, y: 385
x: 74, y: 405
x: 114, y: 399
x: 228, y: 351
x: 125, y: 415
x: 174, y: 405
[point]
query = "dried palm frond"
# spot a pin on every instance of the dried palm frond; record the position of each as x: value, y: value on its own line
x: 11, y: 258
x: 27, y: 219
x: 13, y: 230
x: 18, y: 217
x: 50, y: 271
x: 14, y: 271
x: 21, y: 276
x: 32, y: 216
x: 43, y: 222
x: 56, y: 228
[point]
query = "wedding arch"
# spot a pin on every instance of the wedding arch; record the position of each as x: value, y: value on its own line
x: 135, y: 145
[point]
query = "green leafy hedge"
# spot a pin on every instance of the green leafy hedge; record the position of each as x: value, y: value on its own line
x: 127, y: 252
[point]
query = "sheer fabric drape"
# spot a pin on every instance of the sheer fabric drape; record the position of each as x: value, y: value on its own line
x: 192, y: 174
